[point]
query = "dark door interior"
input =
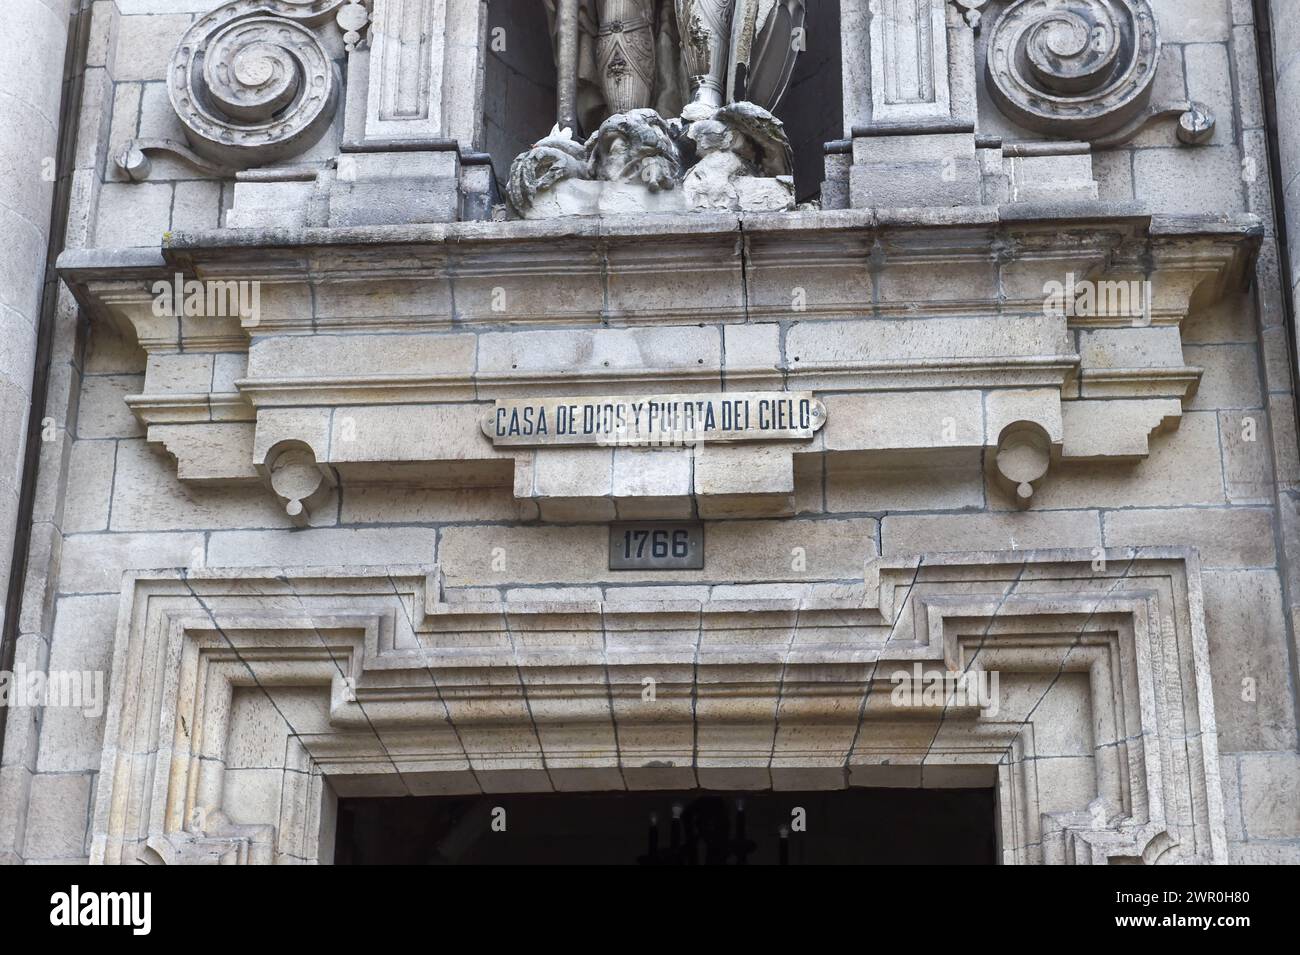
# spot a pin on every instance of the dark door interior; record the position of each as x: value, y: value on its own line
x: 880, y: 826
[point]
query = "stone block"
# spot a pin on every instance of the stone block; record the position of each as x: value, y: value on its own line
x: 1269, y: 782
x: 145, y: 45
x: 1181, y: 181
x: 1246, y: 625
x: 414, y: 504
x: 147, y: 495
x: 919, y: 481
x: 753, y: 348
x: 133, y: 214
x: 743, y: 469
x: 90, y: 486
x: 1151, y: 347
x: 1226, y: 537
x: 282, y: 205
x: 653, y: 483
x: 1231, y: 378
x: 909, y: 535
x: 572, y: 472
x: 178, y: 374
x: 94, y: 563
x: 1182, y: 469
x: 1052, y: 178
x: 889, y: 421
x: 323, y: 547
x: 919, y: 339
x: 227, y: 368
x: 694, y: 351
x: 72, y: 730
x: 103, y: 412
x: 1210, y: 81
x: 1042, y: 406
x: 58, y: 814
x: 1115, y: 429
x: 1192, y: 21
x: 390, y: 188
x: 345, y: 356
x: 1247, y: 467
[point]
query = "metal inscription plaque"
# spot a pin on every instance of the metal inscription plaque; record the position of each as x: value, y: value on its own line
x: 654, y: 420
x: 656, y: 545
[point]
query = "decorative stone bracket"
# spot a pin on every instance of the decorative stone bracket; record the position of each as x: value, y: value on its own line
x: 398, y: 686
x: 1020, y: 341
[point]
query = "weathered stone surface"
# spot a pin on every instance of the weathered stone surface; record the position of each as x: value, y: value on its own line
x: 1183, y: 469
x: 1247, y: 469
x: 148, y: 496
x: 1246, y: 623
x: 94, y: 563
x: 90, y: 486
x: 1267, y: 782
x: 1225, y: 537
x: 866, y: 482
x: 72, y: 732
x: 912, y: 304
x: 323, y: 546
x: 922, y: 534
x: 58, y: 810
x: 103, y: 412
x: 888, y: 421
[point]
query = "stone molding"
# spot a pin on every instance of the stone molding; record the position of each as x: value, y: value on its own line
x: 362, y: 336
x: 760, y: 686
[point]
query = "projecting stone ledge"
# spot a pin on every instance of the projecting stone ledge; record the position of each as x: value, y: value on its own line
x: 373, y: 355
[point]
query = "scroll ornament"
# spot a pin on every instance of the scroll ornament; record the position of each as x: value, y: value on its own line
x: 253, y: 82
x: 1083, y: 70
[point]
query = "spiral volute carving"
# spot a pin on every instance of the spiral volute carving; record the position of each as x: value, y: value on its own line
x: 253, y: 82
x: 1076, y: 68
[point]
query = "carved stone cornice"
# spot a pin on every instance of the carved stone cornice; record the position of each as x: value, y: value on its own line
x: 364, y: 334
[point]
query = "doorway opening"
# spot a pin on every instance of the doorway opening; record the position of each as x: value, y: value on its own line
x: 827, y: 827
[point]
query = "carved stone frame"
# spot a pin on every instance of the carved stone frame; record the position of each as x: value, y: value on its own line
x: 781, y: 686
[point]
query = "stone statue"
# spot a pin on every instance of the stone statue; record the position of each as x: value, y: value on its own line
x: 627, y: 58
x: 552, y: 160
x: 678, y: 93
x: 625, y: 53
x: 669, y: 54
x: 744, y: 160
x: 637, y: 146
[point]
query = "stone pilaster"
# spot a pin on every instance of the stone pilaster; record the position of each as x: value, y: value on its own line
x: 31, y: 83
x: 1286, y: 43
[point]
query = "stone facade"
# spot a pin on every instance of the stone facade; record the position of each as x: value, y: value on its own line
x: 1039, y: 310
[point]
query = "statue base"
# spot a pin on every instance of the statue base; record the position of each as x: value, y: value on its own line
x: 734, y: 158
x: 586, y: 197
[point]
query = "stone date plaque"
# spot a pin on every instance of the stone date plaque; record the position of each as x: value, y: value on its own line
x: 656, y: 545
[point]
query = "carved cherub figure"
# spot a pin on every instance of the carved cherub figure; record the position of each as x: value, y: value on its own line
x: 739, y: 140
x: 555, y: 158
x: 636, y: 146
